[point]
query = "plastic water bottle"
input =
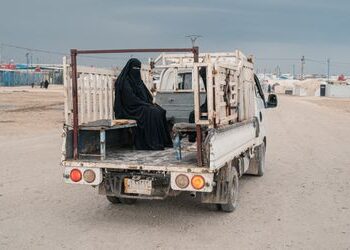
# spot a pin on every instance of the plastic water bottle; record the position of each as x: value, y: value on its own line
x: 177, y: 147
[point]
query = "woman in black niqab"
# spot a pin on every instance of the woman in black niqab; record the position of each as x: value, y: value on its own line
x: 134, y: 101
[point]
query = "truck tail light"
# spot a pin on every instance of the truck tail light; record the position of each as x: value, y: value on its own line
x: 75, y: 175
x: 89, y: 176
x: 182, y: 181
x: 197, y: 182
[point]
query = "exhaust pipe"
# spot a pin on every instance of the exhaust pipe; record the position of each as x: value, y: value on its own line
x: 193, y: 194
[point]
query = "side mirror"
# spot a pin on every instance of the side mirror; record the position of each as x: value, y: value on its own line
x: 271, y: 101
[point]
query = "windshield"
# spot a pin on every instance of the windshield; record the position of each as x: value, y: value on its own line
x: 173, y: 79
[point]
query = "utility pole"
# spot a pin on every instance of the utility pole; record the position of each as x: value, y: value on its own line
x: 302, y: 68
x: 31, y: 58
x: 1, y: 53
x: 27, y: 56
x: 293, y: 71
x: 278, y: 71
x: 193, y: 38
x: 328, y: 68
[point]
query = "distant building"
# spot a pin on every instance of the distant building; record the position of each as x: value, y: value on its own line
x: 22, y: 74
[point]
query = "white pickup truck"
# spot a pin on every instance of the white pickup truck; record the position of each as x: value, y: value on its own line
x: 227, y: 129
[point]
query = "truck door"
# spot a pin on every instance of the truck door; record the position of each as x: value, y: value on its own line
x: 260, y: 105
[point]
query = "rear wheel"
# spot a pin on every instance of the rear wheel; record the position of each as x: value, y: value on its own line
x: 232, y: 201
x: 113, y: 199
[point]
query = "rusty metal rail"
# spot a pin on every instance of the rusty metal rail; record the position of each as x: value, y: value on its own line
x: 76, y: 52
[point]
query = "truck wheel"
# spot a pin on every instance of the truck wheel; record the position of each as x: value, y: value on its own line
x: 128, y: 201
x: 232, y: 203
x: 261, y: 159
x: 113, y: 199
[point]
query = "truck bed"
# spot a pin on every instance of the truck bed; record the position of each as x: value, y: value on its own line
x: 142, y: 159
x: 164, y: 157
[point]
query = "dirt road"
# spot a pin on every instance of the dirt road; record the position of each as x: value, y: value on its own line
x: 303, y: 201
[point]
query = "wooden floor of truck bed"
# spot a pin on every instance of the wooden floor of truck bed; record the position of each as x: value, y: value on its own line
x: 164, y: 157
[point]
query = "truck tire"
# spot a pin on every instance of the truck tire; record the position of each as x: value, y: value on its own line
x: 113, y: 199
x: 232, y: 202
x: 128, y: 201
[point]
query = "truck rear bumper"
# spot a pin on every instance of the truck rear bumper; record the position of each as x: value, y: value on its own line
x: 112, y: 179
x: 109, y: 165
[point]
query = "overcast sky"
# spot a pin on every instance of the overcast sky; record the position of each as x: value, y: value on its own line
x: 275, y: 32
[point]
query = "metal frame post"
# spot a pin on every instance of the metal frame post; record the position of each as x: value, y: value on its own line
x: 103, y: 144
x: 198, y: 127
x: 195, y: 51
x: 73, y: 54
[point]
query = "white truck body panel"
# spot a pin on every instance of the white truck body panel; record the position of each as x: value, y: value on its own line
x: 228, y: 144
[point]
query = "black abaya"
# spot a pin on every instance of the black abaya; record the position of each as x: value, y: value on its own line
x: 134, y: 101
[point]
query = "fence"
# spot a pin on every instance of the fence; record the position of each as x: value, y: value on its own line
x: 95, y: 92
x: 230, y: 91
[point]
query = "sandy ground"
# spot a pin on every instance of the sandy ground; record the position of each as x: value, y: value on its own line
x: 24, y: 110
x: 303, y: 201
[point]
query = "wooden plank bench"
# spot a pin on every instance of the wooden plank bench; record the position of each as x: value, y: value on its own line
x: 102, y: 126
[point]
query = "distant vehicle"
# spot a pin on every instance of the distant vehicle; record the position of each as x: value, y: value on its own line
x: 228, y: 126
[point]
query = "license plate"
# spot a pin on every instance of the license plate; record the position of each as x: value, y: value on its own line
x: 132, y: 186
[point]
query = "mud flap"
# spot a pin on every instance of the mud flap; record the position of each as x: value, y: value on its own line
x: 223, y: 180
x: 254, y: 162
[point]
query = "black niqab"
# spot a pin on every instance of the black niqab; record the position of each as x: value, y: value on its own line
x: 134, y: 101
